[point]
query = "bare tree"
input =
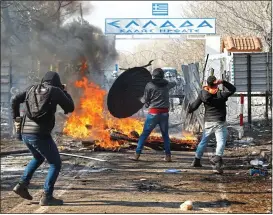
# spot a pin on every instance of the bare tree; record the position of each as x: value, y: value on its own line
x: 240, y: 18
x: 165, y: 53
x: 35, y: 30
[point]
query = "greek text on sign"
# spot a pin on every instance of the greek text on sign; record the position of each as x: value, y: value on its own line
x: 160, y: 26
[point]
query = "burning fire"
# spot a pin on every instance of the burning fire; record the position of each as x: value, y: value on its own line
x: 91, y: 120
x: 189, y: 136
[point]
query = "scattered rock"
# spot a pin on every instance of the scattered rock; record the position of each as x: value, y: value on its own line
x: 147, y: 186
x: 186, y: 206
x: 245, y: 140
x: 266, y: 154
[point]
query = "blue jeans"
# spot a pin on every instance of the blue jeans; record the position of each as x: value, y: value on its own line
x: 151, y: 121
x: 42, y: 148
x: 220, y: 130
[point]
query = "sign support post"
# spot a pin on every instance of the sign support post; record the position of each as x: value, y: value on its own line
x: 267, y: 88
x: 249, y: 89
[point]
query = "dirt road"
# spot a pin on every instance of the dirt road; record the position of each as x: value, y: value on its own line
x: 124, y: 186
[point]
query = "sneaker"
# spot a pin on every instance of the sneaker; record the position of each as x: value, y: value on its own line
x: 50, y: 201
x: 135, y: 157
x: 196, y: 162
x: 22, y: 190
x: 168, y: 158
x: 217, y: 163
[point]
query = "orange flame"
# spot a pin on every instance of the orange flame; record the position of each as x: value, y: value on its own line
x: 83, y: 67
x: 91, y: 120
x: 189, y: 136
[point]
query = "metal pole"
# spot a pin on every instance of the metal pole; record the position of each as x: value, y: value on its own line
x: 249, y: 89
x: 81, y: 13
x: 241, y: 130
x: 267, y: 88
x: 204, y: 69
x: 10, y: 86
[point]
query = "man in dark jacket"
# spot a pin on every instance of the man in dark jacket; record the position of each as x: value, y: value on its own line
x: 156, y: 97
x: 37, y: 137
x: 215, y: 119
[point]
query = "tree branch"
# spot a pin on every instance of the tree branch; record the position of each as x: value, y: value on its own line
x: 70, y: 2
x: 234, y: 12
x: 6, y: 6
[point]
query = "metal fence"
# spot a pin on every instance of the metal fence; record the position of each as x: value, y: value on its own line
x: 13, y: 80
x: 260, y: 67
x: 5, y: 98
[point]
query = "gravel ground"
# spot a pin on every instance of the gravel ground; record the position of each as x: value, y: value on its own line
x: 120, y: 185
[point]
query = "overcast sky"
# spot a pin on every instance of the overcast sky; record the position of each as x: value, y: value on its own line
x: 128, y: 9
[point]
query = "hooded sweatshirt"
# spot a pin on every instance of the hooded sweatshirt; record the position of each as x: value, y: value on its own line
x: 156, y: 95
x: 58, y: 96
x: 214, y: 101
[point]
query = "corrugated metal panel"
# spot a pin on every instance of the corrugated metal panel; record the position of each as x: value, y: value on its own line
x: 5, y: 88
x: 15, y: 76
x: 5, y: 82
x: 260, y: 62
x: 4, y: 71
x: 4, y: 97
x: 185, y: 70
x: 191, y: 90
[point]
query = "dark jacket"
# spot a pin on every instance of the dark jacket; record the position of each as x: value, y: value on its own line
x: 58, y: 97
x: 156, y: 93
x: 214, y: 102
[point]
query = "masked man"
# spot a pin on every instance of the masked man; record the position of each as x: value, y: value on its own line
x: 156, y: 97
x: 215, y: 119
x: 41, y: 102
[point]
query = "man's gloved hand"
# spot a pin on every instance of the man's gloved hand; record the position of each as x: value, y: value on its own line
x: 141, y: 99
x: 218, y: 82
x: 64, y: 87
x: 17, y: 126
